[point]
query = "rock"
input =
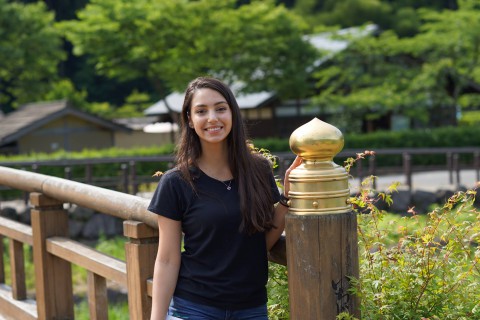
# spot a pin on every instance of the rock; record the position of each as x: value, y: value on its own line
x: 401, y: 201
x: 442, y: 195
x: 102, y: 224
x: 80, y: 213
x: 9, y: 213
x: 75, y: 228
x: 422, y: 201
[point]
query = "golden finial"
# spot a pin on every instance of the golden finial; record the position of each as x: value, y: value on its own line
x: 318, y: 185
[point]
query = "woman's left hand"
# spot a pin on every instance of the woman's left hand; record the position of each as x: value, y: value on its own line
x: 286, y: 182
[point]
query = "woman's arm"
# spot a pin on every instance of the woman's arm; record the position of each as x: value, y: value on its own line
x: 167, y: 265
x: 274, y: 234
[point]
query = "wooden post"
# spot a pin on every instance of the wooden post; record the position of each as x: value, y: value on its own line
x: 53, y: 276
x: 321, y: 228
x: 97, y: 296
x: 140, y: 254
x: 476, y: 164
x: 133, y: 178
x: 17, y: 270
x: 322, y: 253
x: 372, y: 170
x: 407, y: 169
x: 2, y: 266
x: 456, y: 168
x: 124, y: 168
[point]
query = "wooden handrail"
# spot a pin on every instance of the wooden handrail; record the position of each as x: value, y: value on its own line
x: 54, y: 252
x: 16, y: 230
x: 114, y: 203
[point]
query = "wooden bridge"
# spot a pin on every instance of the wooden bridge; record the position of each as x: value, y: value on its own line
x: 54, y: 253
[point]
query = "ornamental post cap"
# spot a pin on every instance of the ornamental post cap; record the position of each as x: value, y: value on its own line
x: 316, y: 140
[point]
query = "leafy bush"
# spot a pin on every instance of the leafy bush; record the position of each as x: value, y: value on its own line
x: 431, y: 271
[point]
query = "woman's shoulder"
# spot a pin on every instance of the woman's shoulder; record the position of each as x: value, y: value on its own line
x: 173, y: 175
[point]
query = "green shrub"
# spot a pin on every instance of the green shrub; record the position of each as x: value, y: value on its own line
x: 416, y: 269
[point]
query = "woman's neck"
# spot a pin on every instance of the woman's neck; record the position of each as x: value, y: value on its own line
x: 214, y: 162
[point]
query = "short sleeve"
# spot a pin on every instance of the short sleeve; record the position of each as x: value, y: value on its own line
x: 169, y: 198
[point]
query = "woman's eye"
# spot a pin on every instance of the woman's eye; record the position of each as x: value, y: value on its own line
x: 200, y: 111
x: 222, y: 109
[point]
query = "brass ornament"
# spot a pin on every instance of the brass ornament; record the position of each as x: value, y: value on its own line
x: 318, y: 185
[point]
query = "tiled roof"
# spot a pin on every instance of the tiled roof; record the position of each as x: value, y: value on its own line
x: 33, y: 115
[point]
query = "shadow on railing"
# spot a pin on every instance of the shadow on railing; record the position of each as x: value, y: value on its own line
x: 54, y: 253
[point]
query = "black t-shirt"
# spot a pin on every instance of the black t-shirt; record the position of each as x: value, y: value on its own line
x: 221, y: 265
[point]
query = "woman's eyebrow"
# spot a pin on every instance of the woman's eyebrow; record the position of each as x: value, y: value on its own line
x: 215, y: 104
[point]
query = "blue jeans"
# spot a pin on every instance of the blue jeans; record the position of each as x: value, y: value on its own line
x: 185, y: 309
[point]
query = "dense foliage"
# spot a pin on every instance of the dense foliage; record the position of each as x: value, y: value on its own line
x: 429, y: 77
x: 30, y: 49
x: 416, y: 64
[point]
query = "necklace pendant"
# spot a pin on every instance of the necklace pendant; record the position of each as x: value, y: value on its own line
x: 229, y: 188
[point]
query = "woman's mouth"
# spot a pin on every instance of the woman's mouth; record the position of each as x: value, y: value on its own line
x: 213, y: 129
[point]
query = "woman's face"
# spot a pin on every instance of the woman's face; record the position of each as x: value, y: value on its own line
x: 210, y: 116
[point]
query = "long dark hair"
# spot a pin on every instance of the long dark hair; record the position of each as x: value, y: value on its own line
x: 251, y: 170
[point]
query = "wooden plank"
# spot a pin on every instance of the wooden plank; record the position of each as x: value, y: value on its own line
x: 53, y: 276
x: 88, y: 258
x: 16, y: 230
x: 17, y: 270
x: 16, y: 309
x: 97, y: 296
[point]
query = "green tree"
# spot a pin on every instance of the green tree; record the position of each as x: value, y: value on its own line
x: 424, y: 77
x: 30, y: 50
x: 170, y: 42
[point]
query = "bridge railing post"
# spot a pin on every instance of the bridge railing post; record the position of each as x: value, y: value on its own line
x: 321, y: 228
x: 140, y: 254
x: 2, y: 266
x: 53, y: 276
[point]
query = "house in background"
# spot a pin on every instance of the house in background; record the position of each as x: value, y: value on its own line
x: 265, y: 114
x: 56, y: 125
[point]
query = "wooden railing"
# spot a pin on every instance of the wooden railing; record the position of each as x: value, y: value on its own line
x: 54, y: 253
x: 130, y: 179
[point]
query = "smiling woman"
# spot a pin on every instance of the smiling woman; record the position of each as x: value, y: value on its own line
x: 222, y: 197
x: 210, y: 117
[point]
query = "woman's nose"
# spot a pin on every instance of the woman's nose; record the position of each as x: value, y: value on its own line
x: 212, y: 115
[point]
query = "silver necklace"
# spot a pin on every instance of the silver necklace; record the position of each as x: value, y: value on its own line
x: 229, y: 185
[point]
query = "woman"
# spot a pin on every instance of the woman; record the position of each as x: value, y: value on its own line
x: 221, y: 195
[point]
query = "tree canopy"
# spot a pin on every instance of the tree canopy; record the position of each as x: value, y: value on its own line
x: 415, y: 76
x: 171, y: 42
x: 30, y: 50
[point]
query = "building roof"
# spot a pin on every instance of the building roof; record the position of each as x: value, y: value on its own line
x: 32, y: 116
x: 174, y: 102
x: 329, y: 42
x: 137, y: 123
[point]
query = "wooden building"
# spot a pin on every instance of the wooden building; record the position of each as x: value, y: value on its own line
x: 55, y: 125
